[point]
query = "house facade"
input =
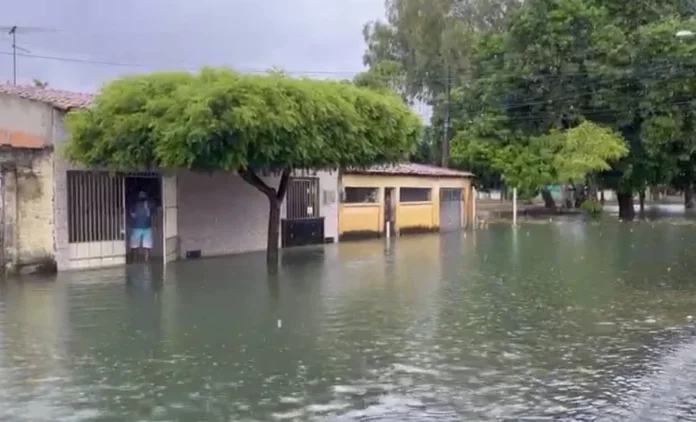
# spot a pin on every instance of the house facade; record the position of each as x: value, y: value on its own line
x: 56, y: 214
x: 404, y: 198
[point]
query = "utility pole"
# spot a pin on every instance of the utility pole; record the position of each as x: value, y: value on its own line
x: 13, y: 32
x: 446, y: 130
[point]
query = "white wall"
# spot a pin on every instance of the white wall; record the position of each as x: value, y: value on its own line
x: 328, y: 202
x: 221, y: 214
x: 27, y: 116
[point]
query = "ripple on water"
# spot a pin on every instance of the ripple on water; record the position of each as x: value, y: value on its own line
x: 561, y: 323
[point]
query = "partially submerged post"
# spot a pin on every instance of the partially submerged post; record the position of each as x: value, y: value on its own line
x: 473, y: 207
x: 514, y: 207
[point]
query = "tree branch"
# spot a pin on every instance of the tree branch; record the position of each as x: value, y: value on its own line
x: 283, y: 185
x: 254, y: 180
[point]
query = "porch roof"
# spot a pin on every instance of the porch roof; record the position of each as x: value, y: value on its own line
x: 410, y: 169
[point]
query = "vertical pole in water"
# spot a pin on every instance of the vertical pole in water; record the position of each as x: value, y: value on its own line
x: 473, y: 208
x: 514, y: 207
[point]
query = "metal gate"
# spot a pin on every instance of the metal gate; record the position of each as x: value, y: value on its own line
x: 302, y: 225
x: 96, y: 219
x: 302, y: 198
x: 170, y: 213
x: 450, y: 209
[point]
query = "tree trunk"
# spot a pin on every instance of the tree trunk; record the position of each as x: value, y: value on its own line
x: 655, y: 194
x: 275, y: 199
x: 601, y: 197
x: 592, y: 188
x: 689, y: 197
x: 641, y: 198
x: 272, y: 246
x: 626, y: 210
x: 548, y: 198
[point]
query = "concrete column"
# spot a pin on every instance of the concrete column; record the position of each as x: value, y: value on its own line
x: 9, y: 208
x: 60, y: 212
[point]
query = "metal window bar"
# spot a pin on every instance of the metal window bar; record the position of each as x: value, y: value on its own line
x: 408, y: 194
x: 95, y: 206
x: 303, y: 198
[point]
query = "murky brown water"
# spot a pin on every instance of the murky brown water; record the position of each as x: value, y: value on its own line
x: 563, y: 321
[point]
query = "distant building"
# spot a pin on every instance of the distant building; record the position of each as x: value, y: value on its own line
x: 407, y: 198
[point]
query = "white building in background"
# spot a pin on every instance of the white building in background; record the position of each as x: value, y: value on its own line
x: 56, y: 215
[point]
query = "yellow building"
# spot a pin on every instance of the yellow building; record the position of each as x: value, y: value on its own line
x: 407, y: 198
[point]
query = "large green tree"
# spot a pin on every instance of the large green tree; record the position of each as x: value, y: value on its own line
x: 561, y: 62
x: 432, y: 43
x: 431, y: 40
x: 219, y: 119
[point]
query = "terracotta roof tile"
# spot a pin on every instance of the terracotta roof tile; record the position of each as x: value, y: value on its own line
x: 62, y: 100
x: 411, y: 169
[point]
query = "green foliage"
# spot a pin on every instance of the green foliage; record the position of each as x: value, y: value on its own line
x: 386, y: 75
x: 427, y: 151
x: 530, y: 162
x: 220, y: 119
x: 591, y: 206
x: 548, y: 67
x: 586, y: 148
x: 432, y: 40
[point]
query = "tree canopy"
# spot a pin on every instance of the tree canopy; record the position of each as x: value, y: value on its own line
x: 530, y: 163
x: 546, y: 67
x: 219, y: 119
x: 223, y: 120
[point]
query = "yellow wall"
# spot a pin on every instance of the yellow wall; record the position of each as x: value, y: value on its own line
x: 369, y: 217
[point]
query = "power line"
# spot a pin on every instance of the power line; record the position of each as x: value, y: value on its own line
x: 496, y: 78
x: 659, y: 68
x: 186, y: 67
x: 596, y: 112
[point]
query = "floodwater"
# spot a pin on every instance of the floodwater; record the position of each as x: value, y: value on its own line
x: 562, y: 320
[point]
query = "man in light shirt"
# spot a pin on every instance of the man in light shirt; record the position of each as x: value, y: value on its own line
x: 141, y: 227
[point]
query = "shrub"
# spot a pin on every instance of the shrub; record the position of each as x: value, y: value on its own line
x: 591, y: 206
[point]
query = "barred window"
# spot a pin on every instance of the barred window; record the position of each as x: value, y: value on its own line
x: 355, y: 195
x: 415, y: 194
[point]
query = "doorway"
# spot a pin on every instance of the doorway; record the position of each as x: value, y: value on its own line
x: 451, y: 209
x: 389, y: 214
x: 303, y: 224
x: 151, y: 184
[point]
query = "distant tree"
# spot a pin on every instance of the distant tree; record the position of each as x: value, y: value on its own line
x: 386, y: 75
x: 40, y: 84
x: 250, y: 124
x: 530, y: 163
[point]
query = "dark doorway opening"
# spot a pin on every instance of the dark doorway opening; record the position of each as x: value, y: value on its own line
x: 389, y: 214
x: 152, y: 186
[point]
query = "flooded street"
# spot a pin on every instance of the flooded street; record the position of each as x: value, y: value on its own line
x: 552, y: 321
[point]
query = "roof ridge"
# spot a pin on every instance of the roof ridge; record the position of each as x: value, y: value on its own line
x: 55, y: 97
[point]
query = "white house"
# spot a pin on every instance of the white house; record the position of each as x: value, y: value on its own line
x: 59, y: 215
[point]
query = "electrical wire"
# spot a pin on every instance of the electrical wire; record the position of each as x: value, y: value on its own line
x: 667, y: 63
x: 188, y: 67
x: 656, y: 69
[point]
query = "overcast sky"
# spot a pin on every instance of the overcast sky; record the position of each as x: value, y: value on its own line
x: 309, y: 36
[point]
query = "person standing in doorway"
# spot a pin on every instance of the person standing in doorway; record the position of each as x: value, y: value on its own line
x: 141, y: 233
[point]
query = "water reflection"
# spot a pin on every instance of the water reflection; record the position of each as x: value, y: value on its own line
x: 556, y: 319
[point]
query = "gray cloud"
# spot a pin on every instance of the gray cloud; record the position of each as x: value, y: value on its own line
x: 321, y: 36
